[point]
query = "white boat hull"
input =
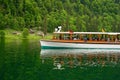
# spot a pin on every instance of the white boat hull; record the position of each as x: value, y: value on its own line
x: 65, y: 45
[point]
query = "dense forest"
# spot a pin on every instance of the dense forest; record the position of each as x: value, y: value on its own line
x: 76, y: 15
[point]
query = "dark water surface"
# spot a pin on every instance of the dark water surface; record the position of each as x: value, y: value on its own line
x: 21, y: 60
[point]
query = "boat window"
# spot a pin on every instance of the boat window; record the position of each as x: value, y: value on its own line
x: 60, y: 37
x: 75, y: 36
x: 55, y: 36
x: 90, y: 36
x: 94, y: 37
x: 113, y: 38
x: 85, y: 37
x: 103, y: 37
x: 81, y: 36
x: 118, y: 37
x: 99, y: 37
x: 108, y: 38
x: 66, y: 37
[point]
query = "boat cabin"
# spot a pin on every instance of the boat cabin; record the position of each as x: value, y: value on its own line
x: 87, y: 36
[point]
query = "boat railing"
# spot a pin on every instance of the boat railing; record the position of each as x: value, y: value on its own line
x: 108, y: 38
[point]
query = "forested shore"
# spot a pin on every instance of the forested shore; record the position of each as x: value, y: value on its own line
x: 45, y: 15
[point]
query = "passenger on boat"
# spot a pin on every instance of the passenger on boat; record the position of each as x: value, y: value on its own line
x: 60, y: 36
x: 85, y: 39
x: 74, y: 38
x: 108, y: 39
x: 116, y: 40
x: 54, y: 37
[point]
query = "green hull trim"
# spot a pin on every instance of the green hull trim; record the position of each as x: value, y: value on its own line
x: 49, y: 47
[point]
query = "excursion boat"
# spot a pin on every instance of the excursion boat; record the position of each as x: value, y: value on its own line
x: 83, y: 40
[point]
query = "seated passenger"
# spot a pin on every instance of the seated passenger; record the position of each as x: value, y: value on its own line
x: 116, y: 40
x: 85, y: 39
x: 108, y: 39
x: 60, y: 36
x: 74, y: 38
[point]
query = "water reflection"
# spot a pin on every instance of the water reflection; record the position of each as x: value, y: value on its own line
x: 63, y: 58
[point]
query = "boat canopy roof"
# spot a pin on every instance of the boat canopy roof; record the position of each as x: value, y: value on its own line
x: 107, y: 33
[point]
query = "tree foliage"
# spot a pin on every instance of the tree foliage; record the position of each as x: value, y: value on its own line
x: 25, y: 33
x: 2, y: 34
x: 76, y: 15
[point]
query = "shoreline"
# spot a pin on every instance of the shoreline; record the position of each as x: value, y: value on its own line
x: 11, y: 35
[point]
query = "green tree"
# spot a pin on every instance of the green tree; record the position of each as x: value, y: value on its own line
x: 2, y: 34
x: 25, y: 33
x: 21, y: 23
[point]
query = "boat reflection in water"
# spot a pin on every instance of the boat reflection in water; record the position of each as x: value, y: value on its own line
x: 63, y: 58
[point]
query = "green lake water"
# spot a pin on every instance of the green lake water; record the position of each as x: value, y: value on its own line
x: 21, y: 60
